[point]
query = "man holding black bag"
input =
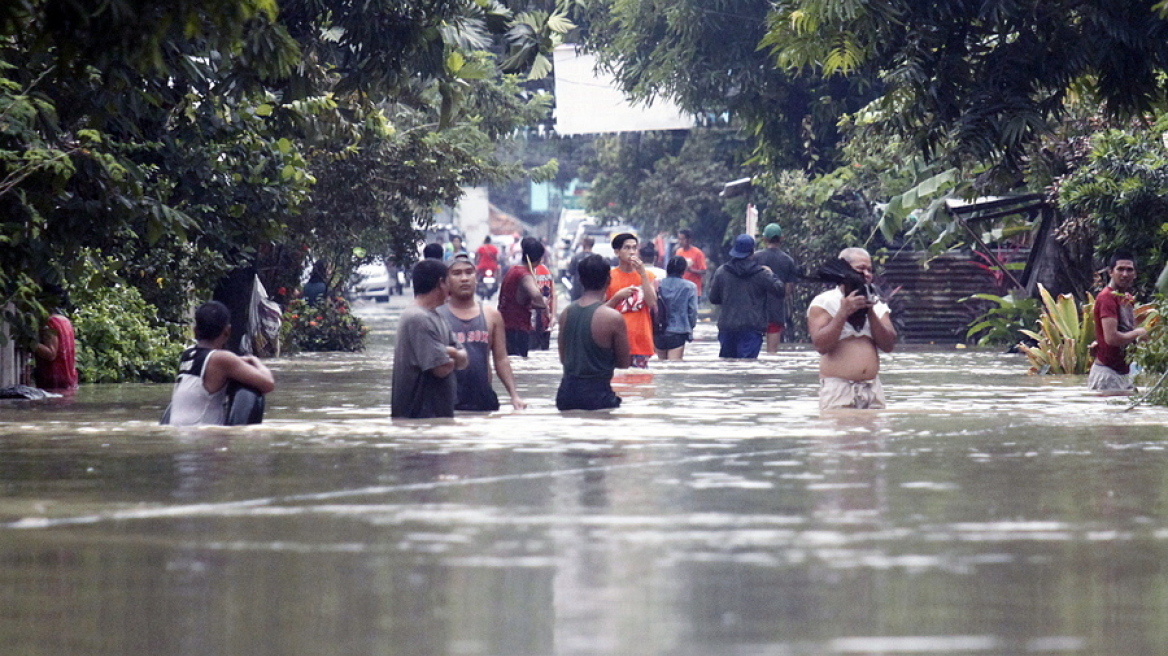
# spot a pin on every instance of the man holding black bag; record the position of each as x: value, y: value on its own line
x: 847, y: 326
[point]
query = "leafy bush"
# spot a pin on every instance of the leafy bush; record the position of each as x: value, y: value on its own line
x: 327, y: 325
x: 1004, y: 322
x: 1064, y: 336
x: 117, y: 339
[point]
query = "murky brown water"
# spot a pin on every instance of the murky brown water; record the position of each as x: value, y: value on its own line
x: 987, y: 512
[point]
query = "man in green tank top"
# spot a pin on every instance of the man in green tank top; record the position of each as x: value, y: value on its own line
x: 593, y: 342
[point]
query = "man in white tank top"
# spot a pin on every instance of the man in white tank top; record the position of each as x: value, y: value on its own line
x: 200, y: 392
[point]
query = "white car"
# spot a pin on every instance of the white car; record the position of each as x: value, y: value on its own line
x: 372, y: 283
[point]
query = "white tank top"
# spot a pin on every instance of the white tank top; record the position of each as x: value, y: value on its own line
x: 190, y: 402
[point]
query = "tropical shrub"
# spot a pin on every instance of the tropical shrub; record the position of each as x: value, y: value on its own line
x: 327, y: 325
x: 1064, y: 336
x: 118, y: 338
x: 1004, y: 321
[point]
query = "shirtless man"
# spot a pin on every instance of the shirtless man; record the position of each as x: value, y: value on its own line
x: 479, y: 329
x: 200, y: 393
x: 849, y: 362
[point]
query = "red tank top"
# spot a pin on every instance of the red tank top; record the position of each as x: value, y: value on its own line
x: 516, y: 315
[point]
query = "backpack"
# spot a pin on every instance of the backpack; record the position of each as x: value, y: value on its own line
x: 660, y: 315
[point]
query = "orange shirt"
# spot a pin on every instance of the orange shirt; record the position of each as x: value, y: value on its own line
x: 634, y: 310
x: 696, y: 260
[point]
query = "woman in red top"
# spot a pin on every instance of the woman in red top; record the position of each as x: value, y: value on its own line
x: 56, y: 355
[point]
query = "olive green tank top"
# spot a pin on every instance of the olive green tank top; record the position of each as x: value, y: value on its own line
x: 583, y: 357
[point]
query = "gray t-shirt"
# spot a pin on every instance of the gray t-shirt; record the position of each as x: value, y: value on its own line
x: 422, y: 338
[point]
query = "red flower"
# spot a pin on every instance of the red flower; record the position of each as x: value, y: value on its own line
x: 312, y: 323
x: 282, y: 291
x: 319, y: 318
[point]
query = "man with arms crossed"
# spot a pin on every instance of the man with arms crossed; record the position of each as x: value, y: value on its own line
x: 593, y: 343
x: 426, y: 353
x: 479, y: 330
x: 200, y: 393
x: 849, y: 362
x: 1115, y: 328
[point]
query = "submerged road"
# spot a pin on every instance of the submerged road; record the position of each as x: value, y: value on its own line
x: 986, y: 512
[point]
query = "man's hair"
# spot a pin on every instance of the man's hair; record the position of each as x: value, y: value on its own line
x: 685, y: 232
x: 532, y: 250
x: 648, y: 252
x: 619, y: 240
x: 593, y: 271
x: 1120, y: 255
x: 588, y: 242
x: 848, y: 253
x: 676, y: 266
x: 211, y: 319
x: 432, y: 251
x: 456, y: 237
x: 462, y: 258
x: 426, y: 276
x: 487, y: 239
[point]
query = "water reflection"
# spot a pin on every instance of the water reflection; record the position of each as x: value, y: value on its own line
x: 715, y: 512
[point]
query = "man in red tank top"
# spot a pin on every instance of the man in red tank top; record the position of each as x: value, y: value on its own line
x: 518, y: 296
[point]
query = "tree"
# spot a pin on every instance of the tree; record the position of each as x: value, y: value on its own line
x: 980, y: 80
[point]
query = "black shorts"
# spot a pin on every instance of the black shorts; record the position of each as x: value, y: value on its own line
x: 669, y: 341
x: 518, y: 341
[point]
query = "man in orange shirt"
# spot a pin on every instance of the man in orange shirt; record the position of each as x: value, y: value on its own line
x: 695, y: 259
x: 631, y: 292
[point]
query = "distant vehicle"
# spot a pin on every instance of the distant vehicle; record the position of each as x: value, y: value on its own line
x: 602, y: 238
x: 373, y: 283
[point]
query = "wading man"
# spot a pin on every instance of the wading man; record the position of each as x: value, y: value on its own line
x: 741, y: 287
x: 479, y: 330
x: 848, y: 327
x: 1115, y: 328
x: 593, y: 343
x: 200, y: 392
x: 426, y: 353
x: 633, y: 292
x: 519, y: 295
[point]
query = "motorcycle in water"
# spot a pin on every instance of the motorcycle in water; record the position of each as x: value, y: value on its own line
x: 488, y: 284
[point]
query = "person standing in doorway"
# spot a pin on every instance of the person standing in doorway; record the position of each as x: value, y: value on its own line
x: 479, y: 331
x: 426, y: 354
x: 695, y: 259
x: 633, y: 292
x: 1115, y: 329
x: 593, y: 343
x: 518, y: 296
x: 785, y: 269
x: 741, y: 287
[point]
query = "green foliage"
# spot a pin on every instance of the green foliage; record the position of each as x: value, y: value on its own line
x: 1122, y: 190
x: 1151, y: 354
x: 1064, y: 336
x: 976, y: 80
x: 1004, y: 321
x: 327, y: 325
x: 117, y: 339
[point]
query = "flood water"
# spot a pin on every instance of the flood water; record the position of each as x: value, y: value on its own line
x: 986, y: 512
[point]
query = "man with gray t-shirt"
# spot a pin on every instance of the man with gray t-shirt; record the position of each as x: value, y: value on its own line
x: 426, y: 353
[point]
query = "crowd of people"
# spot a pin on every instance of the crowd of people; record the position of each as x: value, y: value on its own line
x: 450, y: 345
